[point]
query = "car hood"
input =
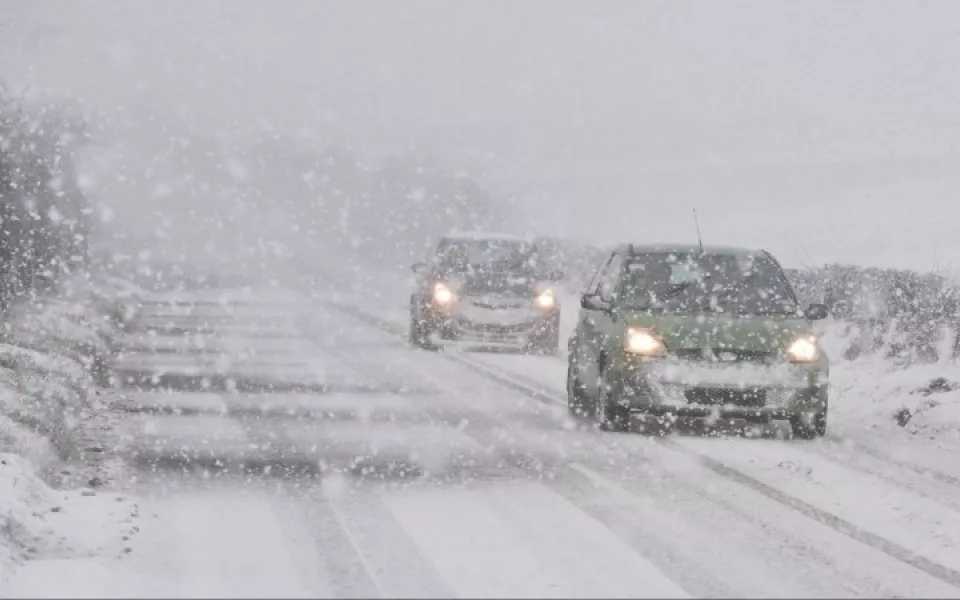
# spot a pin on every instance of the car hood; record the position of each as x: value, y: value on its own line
x: 711, y: 330
x: 494, y: 283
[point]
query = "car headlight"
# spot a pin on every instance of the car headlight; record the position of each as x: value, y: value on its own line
x: 803, y: 349
x: 644, y: 342
x: 546, y: 300
x: 442, y: 294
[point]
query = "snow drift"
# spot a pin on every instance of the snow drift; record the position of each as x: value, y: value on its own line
x: 54, y: 412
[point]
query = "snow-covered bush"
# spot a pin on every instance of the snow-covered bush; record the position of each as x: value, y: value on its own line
x: 53, y: 356
x: 906, y: 316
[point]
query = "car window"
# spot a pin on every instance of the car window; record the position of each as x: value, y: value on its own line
x: 593, y: 287
x: 610, y: 277
x: 745, y: 284
x: 486, y: 254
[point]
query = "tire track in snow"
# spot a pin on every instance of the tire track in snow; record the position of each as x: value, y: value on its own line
x: 897, y: 551
x: 311, y: 516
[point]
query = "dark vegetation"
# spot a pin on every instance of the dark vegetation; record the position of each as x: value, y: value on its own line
x: 44, y: 221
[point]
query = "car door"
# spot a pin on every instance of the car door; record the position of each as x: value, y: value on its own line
x: 596, y: 324
x: 585, y: 319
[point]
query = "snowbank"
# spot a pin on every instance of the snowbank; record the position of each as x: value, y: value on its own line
x: 38, y: 521
x: 56, y: 419
x: 874, y: 392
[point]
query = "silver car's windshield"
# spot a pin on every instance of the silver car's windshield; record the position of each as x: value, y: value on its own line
x: 487, y: 255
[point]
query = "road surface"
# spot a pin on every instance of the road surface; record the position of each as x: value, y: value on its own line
x: 292, y: 444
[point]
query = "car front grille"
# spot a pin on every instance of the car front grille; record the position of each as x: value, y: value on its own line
x: 746, y: 397
x: 721, y: 354
x: 492, y: 329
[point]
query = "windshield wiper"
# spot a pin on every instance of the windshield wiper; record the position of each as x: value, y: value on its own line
x: 676, y: 290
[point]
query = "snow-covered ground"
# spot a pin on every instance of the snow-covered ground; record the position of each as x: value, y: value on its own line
x: 287, y: 441
x: 57, y: 425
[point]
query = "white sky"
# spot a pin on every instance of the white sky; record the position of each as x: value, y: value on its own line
x: 819, y: 130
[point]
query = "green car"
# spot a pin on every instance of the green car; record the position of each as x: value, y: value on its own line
x: 717, y: 333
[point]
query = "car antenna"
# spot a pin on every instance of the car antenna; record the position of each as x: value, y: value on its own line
x: 696, y: 222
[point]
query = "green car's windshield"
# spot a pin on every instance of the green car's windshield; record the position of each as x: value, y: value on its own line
x: 687, y: 282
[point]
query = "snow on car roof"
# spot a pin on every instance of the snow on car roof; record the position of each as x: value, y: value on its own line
x: 486, y: 235
x: 650, y: 248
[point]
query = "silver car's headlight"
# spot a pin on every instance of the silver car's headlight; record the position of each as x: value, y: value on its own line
x: 443, y: 295
x: 545, y: 300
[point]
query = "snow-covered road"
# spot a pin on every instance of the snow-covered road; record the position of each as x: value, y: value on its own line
x: 292, y: 444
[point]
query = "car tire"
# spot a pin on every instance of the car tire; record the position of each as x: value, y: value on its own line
x: 547, y: 340
x: 419, y: 333
x: 612, y: 415
x: 816, y: 428
x: 549, y: 345
x: 653, y: 425
x: 577, y: 404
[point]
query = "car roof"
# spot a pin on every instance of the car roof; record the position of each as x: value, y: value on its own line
x: 687, y: 248
x: 486, y: 235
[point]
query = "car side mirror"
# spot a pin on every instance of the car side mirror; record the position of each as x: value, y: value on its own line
x: 816, y: 312
x: 594, y: 302
x: 418, y: 267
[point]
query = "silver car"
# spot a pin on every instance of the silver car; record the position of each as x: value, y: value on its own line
x: 488, y: 289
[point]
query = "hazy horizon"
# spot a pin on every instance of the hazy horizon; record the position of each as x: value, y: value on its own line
x: 824, y: 132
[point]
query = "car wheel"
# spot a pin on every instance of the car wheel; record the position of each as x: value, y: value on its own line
x: 546, y: 340
x: 653, y: 425
x: 815, y: 428
x: 549, y: 345
x: 576, y: 396
x: 419, y: 331
x: 613, y: 416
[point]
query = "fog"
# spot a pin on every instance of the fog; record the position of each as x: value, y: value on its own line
x: 820, y: 131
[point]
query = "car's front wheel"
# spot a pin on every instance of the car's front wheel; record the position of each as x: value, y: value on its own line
x: 612, y: 414
x: 546, y: 339
x: 419, y: 332
x: 807, y: 426
x: 577, y: 404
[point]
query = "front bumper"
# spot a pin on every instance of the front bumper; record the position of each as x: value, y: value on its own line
x: 746, y: 392
x: 515, y: 327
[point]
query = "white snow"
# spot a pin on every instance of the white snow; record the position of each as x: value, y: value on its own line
x: 209, y: 556
x: 38, y: 522
x: 50, y: 407
x: 470, y: 534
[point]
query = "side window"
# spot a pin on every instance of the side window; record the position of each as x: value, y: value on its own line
x: 610, y: 277
x: 595, y: 281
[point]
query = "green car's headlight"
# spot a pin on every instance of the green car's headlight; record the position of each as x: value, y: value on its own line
x: 644, y: 342
x: 803, y: 349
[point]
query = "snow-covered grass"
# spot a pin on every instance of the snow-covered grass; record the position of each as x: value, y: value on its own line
x: 874, y: 392
x: 55, y: 416
x: 39, y: 521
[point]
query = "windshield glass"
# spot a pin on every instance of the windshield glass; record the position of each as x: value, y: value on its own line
x: 487, y: 255
x: 745, y: 284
